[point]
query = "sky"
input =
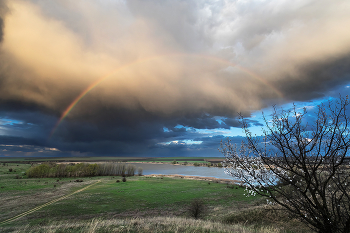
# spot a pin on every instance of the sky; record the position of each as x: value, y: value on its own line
x: 157, y: 78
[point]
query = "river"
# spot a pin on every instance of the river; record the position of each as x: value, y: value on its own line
x: 169, y: 169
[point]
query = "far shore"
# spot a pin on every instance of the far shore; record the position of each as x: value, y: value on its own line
x: 170, y: 163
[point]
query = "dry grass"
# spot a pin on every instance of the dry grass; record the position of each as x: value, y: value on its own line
x: 265, y: 215
x: 156, y: 224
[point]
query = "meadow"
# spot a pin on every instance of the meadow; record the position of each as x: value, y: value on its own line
x: 141, y: 204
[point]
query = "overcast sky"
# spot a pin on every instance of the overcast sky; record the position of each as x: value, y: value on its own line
x: 161, y: 78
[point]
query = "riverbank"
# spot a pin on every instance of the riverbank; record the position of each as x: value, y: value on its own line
x: 209, y: 179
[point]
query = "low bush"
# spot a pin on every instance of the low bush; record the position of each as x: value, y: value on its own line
x: 196, y: 209
x: 196, y: 164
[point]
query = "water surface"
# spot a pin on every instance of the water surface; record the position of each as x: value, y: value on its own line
x: 169, y: 169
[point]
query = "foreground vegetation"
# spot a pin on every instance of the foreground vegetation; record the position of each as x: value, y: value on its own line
x: 137, y: 205
x: 148, y: 225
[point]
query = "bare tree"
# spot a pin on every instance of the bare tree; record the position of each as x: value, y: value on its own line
x: 299, y: 166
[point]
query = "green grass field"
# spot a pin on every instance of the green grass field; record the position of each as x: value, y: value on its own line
x: 139, y: 197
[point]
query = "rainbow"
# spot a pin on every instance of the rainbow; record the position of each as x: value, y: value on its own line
x: 101, y: 79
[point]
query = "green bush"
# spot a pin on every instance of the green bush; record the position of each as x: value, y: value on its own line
x: 196, y: 164
x: 40, y: 171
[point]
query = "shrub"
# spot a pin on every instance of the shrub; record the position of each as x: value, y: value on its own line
x: 10, y: 169
x: 124, y: 179
x: 219, y: 164
x: 196, y: 164
x: 209, y: 164
x: 185, y: 163
x: 196, y: 209
x: 40, y: 171
x: 174, y: 162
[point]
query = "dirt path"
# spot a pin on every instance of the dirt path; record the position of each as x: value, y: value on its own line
x: 46, y: 204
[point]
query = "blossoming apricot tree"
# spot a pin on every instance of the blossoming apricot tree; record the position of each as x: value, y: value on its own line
x: 298, y: 165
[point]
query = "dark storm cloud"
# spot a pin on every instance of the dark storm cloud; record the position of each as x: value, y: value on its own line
x: 171, y: 64
x: 318, y: 78
x: 278, y: 48
x: 10, y: 140
x: 204, y: 121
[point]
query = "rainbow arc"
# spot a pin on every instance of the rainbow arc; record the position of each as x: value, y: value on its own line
x: 103, y: 78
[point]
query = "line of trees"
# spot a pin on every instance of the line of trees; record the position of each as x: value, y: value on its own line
x: 80, y: 170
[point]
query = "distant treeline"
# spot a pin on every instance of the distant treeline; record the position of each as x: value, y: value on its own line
x: 81, y: 170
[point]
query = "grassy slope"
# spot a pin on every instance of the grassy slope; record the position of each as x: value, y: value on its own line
x: 143, y: 194
x: 138, y: 197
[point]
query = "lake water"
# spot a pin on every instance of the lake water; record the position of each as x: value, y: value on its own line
x: 168, y: 169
